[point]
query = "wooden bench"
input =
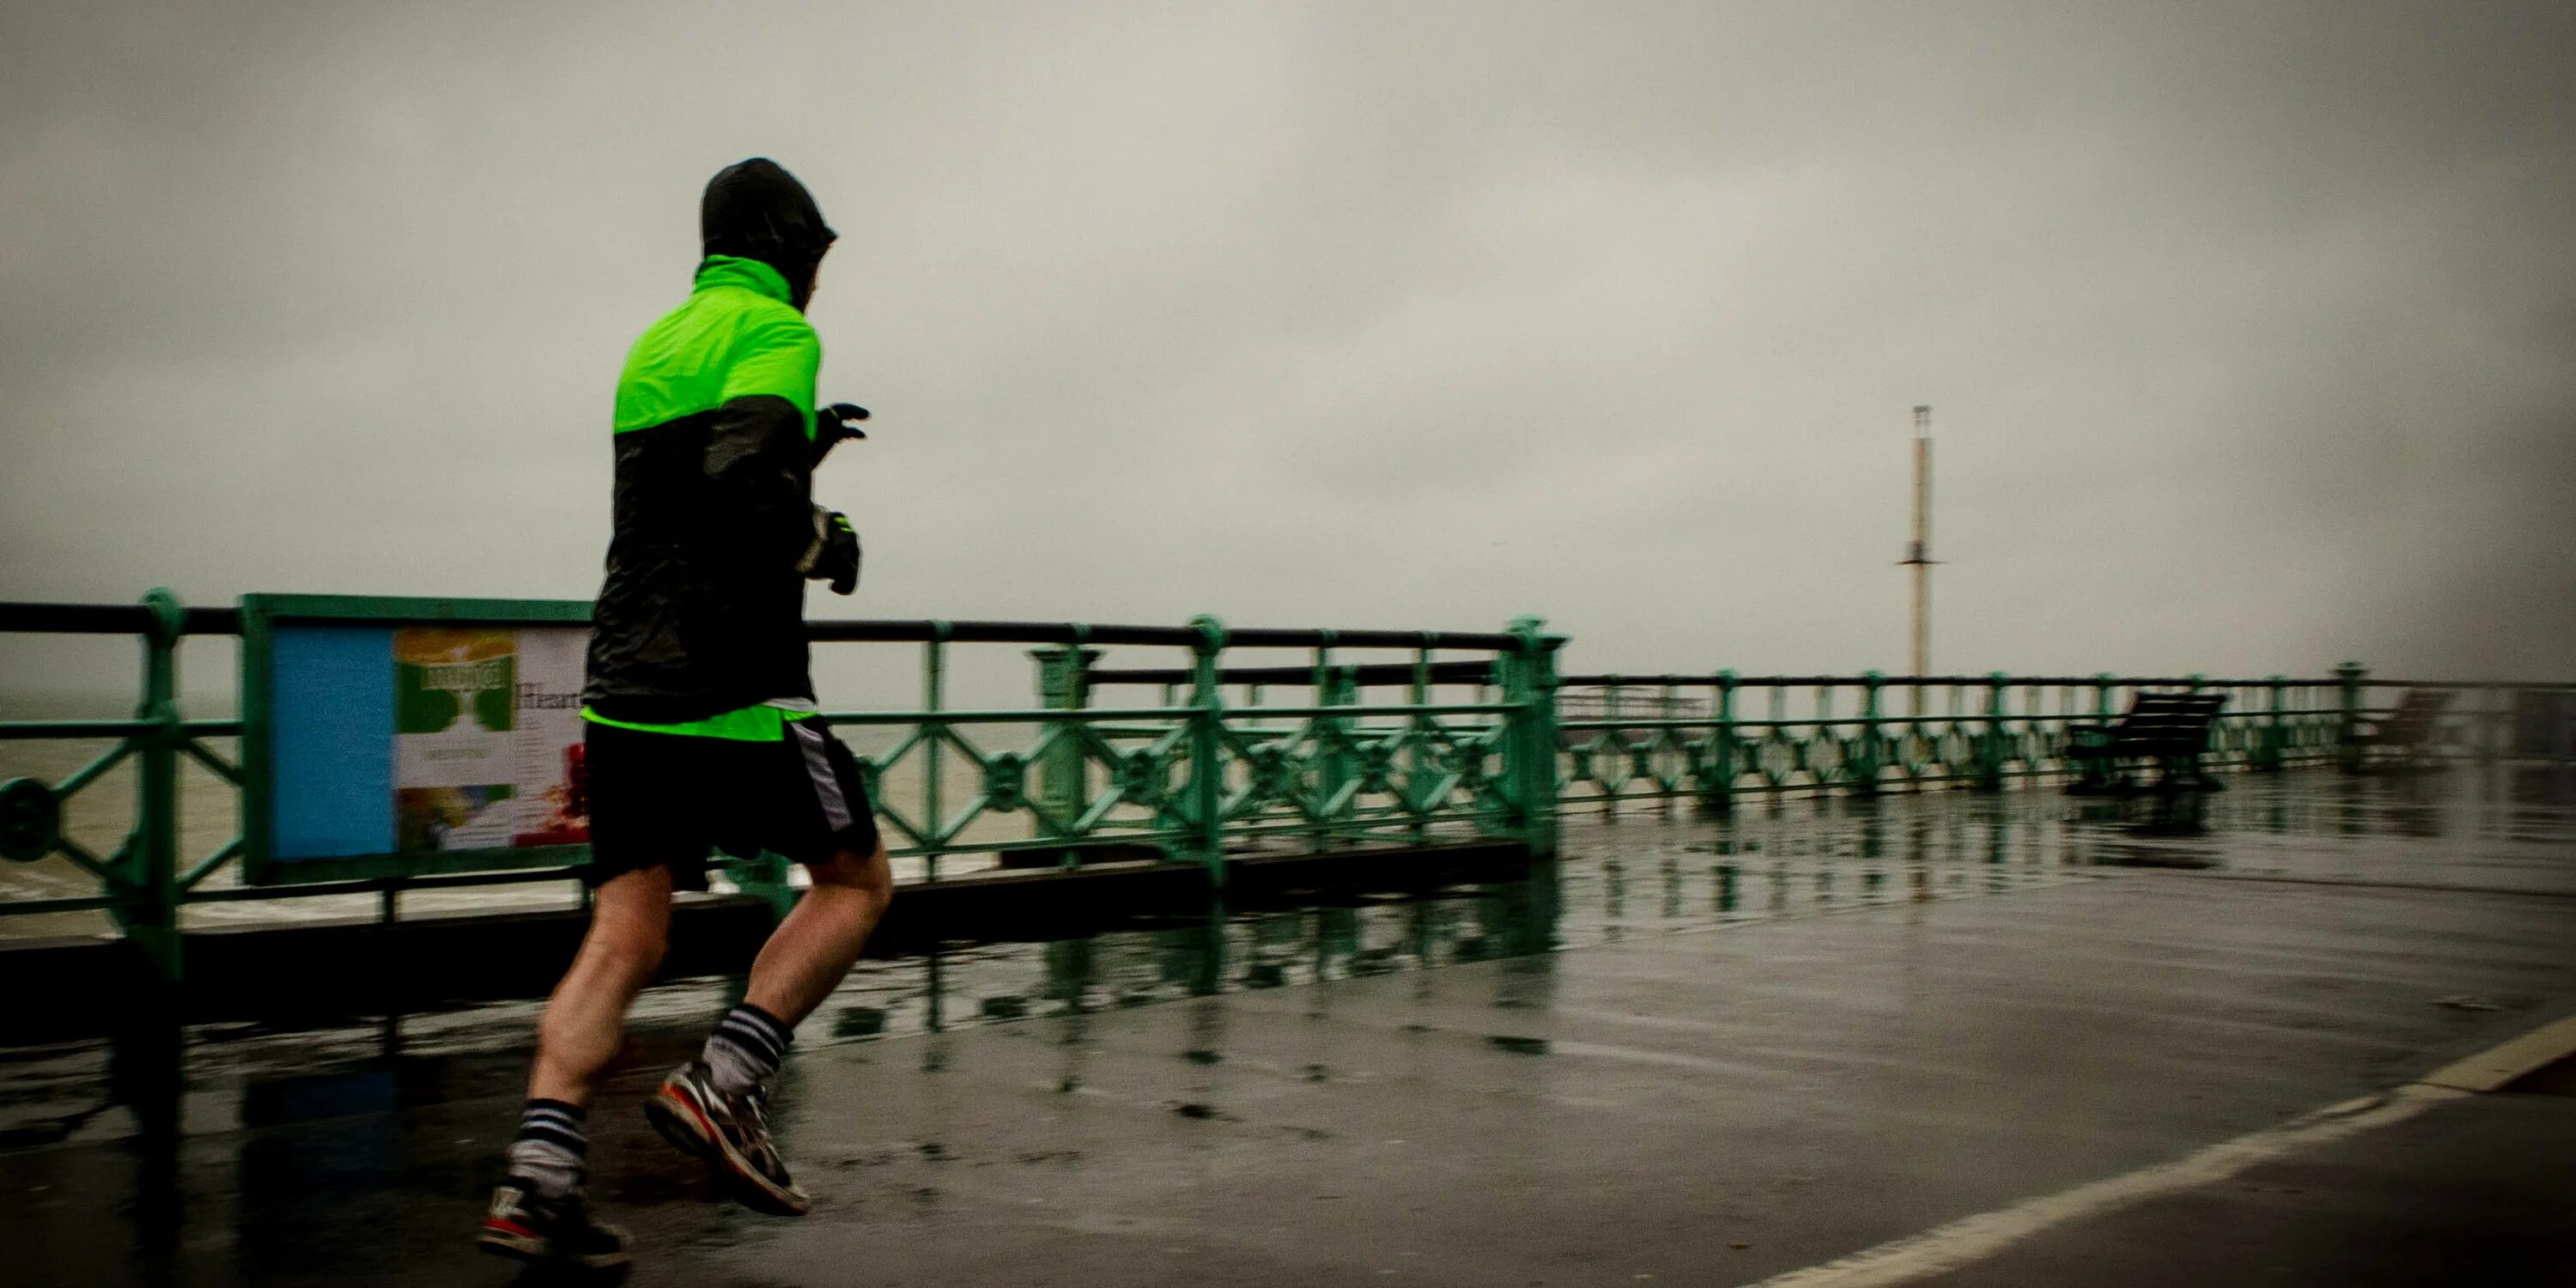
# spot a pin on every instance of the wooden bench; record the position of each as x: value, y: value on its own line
x: 2408, y: 727
x: 2170, y: 729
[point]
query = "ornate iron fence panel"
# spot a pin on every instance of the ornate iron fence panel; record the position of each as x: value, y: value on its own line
x: 1466, y: 735
x: 1868, y: 733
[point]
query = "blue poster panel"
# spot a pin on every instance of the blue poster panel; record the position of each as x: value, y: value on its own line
x: 409, y: 740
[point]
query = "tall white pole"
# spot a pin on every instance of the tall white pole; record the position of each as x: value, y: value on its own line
x: 1918, y: 554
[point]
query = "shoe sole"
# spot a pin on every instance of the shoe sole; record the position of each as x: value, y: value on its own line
x: 522, y: 1245
x: 683, y: 1124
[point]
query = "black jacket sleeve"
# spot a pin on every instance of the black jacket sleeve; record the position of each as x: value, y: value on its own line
x: 759, y: 480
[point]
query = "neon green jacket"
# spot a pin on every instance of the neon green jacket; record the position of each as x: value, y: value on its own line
x: 702, y: 610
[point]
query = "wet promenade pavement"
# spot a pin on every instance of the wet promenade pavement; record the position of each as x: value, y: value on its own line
x: 1697, y: 1051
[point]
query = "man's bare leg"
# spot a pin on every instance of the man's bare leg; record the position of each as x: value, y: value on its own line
x: 539, y: 1212
x: 814, y: 948
x: 585, y: 1020
x: 715, y: 1106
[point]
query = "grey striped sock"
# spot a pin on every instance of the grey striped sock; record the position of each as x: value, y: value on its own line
x: 551, y: 1147
x: 746, y: 1048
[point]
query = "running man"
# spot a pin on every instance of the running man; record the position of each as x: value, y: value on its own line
x: 701, y: 732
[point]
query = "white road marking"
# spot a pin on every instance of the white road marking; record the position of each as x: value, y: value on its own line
x: 2504, y: 1062
x: 1972, y: 1239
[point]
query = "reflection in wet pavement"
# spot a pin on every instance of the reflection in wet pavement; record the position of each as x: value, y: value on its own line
x: 1622, y: 879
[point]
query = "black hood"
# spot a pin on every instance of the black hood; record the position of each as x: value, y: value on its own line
x: 756, y: 210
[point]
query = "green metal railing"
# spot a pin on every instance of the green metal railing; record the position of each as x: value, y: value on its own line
x: 1468, y: 735
x: 1709, y: 737
x: 1203, y: 773
x: 1194, y: 778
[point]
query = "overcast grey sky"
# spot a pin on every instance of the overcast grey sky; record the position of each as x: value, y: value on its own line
x: 2250, y: 328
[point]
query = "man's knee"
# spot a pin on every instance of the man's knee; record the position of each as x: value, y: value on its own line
x: 628, y: 953
x: 847, y: 870
x: 630, y: 923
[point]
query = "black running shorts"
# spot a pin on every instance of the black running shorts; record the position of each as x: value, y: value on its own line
x: 666, y: 799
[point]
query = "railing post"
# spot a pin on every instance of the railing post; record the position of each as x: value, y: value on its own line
x: 1667, y: 737
x: 934, y: 739
x: 1418, y: 756
x: 2215, y: 740
x: 1864, y: 761
x: 1064, y: 684
x: 147, y: 907
x: 1529, y: 685
x: 2276, y: 736
x: 1990, y: 749
x: 1722, y: 798
x: 1335, y: 686
x: 1823, y: 732
x: 2092, y: 773
x: 2348, y: 723
x: 1207, y: 769
x: 1514, y: 674
x: 763, y: 876
x: 1618, y: 740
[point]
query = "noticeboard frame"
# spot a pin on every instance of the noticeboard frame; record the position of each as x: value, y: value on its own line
x: 261, y: 615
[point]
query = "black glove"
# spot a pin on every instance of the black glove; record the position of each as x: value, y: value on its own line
x: 835, y: 423
x: 834, y: 554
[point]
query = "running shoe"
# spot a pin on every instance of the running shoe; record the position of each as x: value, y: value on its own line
x: 731, y: 1132
x: 525, y: 1224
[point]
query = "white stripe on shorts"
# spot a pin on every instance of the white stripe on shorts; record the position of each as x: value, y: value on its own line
x: 827, y: 785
